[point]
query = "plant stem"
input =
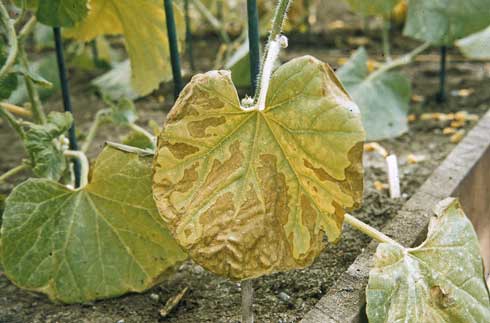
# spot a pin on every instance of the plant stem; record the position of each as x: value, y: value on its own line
x: 65, y: 90
x: 441, y: 96
x: 401, y: 61
x: 13, y: 171
x: 14, y: 123
x: 271, y: 52
x: 215, y: 23
x: 188, y: 37
x: 368, y: 230
x: 254, y: 42
x: 386, y: 39
x: 174, y: 47
x: 8, y: 25
x: 36, y: 105
x: 80, y: 159
x: 27, y: 29
x: 247, y: 301
x: 12, y: 108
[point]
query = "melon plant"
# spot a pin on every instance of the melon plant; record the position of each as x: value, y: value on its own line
x: 250, y: 187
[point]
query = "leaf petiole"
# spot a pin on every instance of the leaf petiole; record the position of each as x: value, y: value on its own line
x: 13, y: 171
x: 369, y: 230
x: 8, y: 25
x: 84, y: 165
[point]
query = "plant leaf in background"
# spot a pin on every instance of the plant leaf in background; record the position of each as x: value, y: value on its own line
x: 383, y: 99
x: 442, y: 280
x: 58, y: 13
x: 476, y: 46
x: 8, y: 83
x: 138, y: 140
x: 123, y: 112
x: 239, y: 65
x: 43, y: 72
x: 44, y: 147
x: 143, y: 25
x: 373, y: 7
x: 116, y: 83
x: 443, y: 22
x: 249, y: 193
x: 100, y: 241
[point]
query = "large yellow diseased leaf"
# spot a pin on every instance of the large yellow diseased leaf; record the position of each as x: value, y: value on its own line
x: 143, y: 25
x: 249, y: 193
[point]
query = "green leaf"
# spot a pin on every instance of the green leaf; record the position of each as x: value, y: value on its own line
x: 35, y: 77
x: 101, y: 241
x: 439, y: 281
x: 383, y: 98
x: 476, y: 46
x: 43, y: 72
x: 143, y: 25
x: 116, y: 84
x: 249, y: 193
x: 8, y: 83
x: 58, y: 13
x: 442, y: 22
x: 239, y: 65
x: 373, y: 7
x: 123, y: 112
x: 44, y: 147
x: 138, y: 140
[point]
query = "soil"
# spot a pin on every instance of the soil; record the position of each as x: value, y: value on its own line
x: 282, y: 297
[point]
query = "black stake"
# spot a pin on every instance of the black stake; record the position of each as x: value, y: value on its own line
x: 65, y: 90
x: 441, y: 96
x: 95, y: 52
x: 188, y: 36
x: 174, y: 47
x: 254, y: 41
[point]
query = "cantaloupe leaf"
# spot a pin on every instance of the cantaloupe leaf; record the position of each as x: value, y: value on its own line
x: 439, y: 281
x: 143, y: 25
x: 249, y: 193
x: 373, y: 7
x: 60, y: 13
x: 442, y: 22
x: 100, y: 241
x: 477, y: 45
x: 383, y: 99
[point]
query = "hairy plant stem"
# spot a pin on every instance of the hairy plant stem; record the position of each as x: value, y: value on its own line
x: 27, y: 29
x: 399, y: 62
x: 386, y: 39
x: 369, y: 230
x: 8, y: 25
x: 247, y: 301
x: 84, y: 165
x: 271, y: 52
x: 14, y: 123
x: 23, y: 6
x: 14, y: 171
x: 215, y: 23
x: 36, y: 105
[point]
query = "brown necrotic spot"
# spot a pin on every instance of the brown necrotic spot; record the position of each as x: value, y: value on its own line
x: 180, y: 150
x: 320, y: 173
x: 197, y: 129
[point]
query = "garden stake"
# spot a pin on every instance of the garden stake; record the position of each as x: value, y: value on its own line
x: 247, y: 301
x: 65, y: 90
x: 188, y: 36
x: 386, y: 40
x: 174, y: 47
x: 254, y: 39
x: 441, y: 96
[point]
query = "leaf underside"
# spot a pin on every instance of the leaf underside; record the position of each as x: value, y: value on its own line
x: 98, y: 242
x: 143, y: 25
x: 442, y: 22
x: 383, y: 100
x: 249, y: 193
x: 476, y: 46
x: 440, y: 281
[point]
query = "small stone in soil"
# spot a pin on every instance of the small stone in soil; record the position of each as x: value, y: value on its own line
x: 155, y: 297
